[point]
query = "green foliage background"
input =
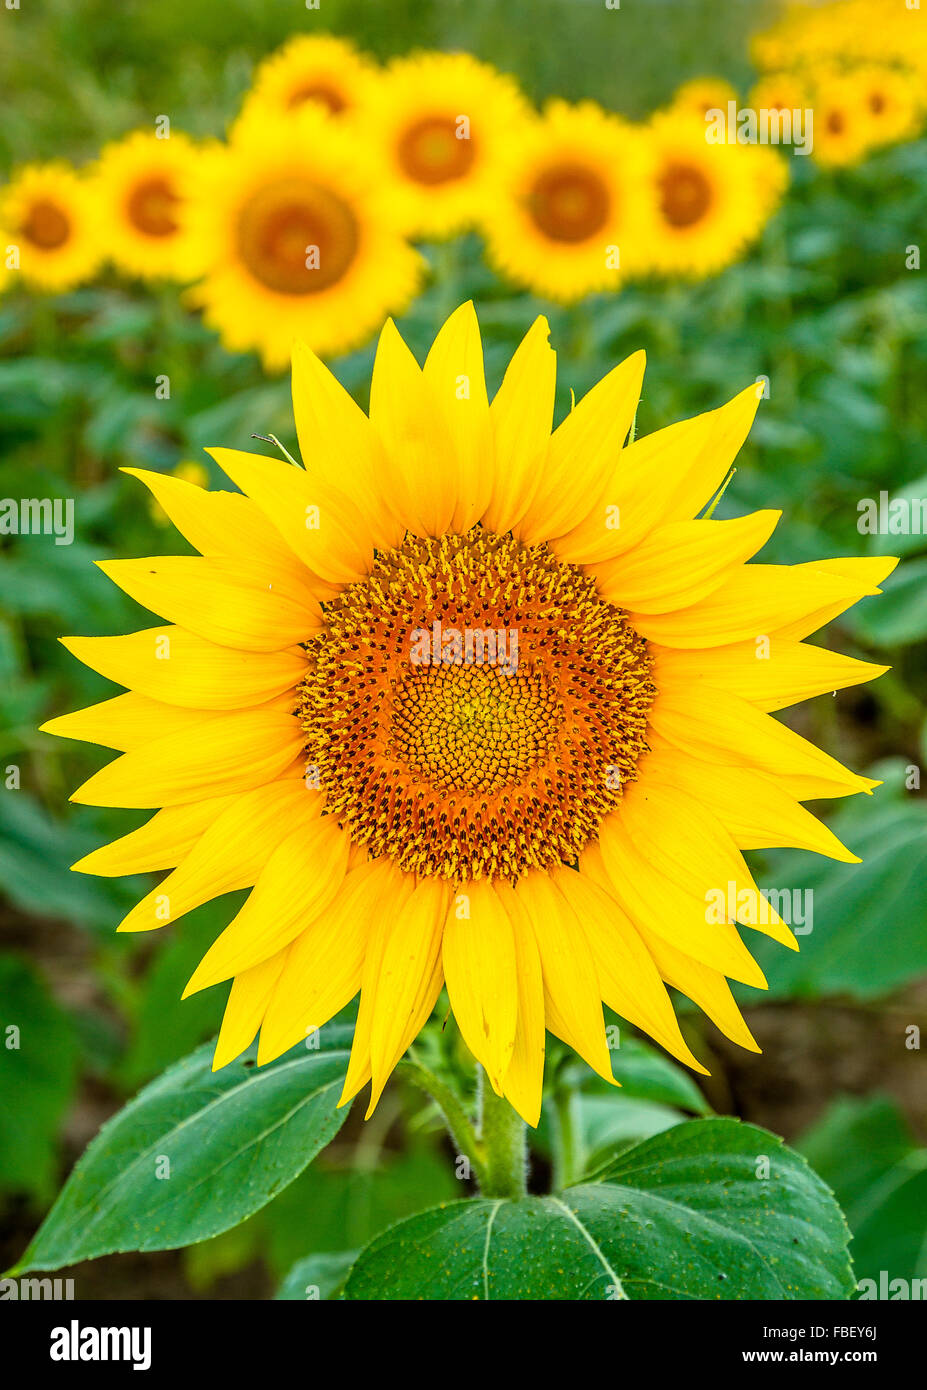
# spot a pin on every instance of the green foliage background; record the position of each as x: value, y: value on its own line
x: 825, y: 307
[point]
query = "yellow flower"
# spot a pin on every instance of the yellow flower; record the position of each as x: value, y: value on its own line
x: 292, y: 221
x: 320, y: 69
x: 189, y: 471
x: 892, y: 100
x: 48, y: 216
x: 567, y: 213
x: 466, y: 702
x: 707, y: 201
x: 843, y: 130
x: 139, y: 185
x: 779, y: 91
x: 436, y: 123
x: 703, y: 94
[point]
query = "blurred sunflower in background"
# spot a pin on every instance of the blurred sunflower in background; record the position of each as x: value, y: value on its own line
x: 842, y: 121
x: 138, y: 186
x: 48, y: 212
x: 779, y: 91
x: 893, y: 101
x: 321, y: 70
x: 293, y: 221
x: 703, y: 94
x: 437, y: 123
x: 566, y: 215
x: 706, y: 201
x: 539, y: 843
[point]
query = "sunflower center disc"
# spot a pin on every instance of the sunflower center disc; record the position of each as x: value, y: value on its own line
x: 685, y: 195
x: 569, y: 203
x: 432, y: 152
x: 319, y: 92
x: 46, y: 226
x: 151, y: 208
x: 297, y: 237
x: 474, y: 708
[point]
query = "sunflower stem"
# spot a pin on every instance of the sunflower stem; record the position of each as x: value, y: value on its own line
x: 459, y: 1125
x: 502, y: 1131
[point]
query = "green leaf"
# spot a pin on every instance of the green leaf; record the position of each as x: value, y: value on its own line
x: 317, y: 1276
x: 648, y: 1075
x: 37, y: 1072
x: 687, y: 1214
x: 196, y: 1152
x: 866, y: 1151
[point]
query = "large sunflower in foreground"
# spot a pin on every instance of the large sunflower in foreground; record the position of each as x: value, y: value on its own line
x: 436, y: 124
x: 567, y: 216
x: 469, y: 702
x: 292, y: 220
x: 139, y: 186
x: 47, y: 212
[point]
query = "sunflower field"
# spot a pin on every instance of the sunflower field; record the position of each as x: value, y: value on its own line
x: 465, y: 464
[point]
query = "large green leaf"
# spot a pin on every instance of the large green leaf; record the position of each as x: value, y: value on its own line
x: 866, y: 1151
x: 710, y: 1209
x: 196, y: 1152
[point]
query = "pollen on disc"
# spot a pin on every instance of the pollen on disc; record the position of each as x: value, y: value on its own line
x: 474, y: 708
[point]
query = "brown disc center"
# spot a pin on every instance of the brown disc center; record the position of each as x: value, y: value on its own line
x: 297, y: 237
x: 319, y: 92
x: 46, y: 225
x: 685, y: 195
x: 569, y: 202
x: 435, y: 150
x: 152, y: 207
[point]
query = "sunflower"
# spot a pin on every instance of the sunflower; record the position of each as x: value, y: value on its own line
x: 707, y: 201
x: 892, y: 101
x: 291, y: 219
x: 437, y: 123
x: 48, y: 214
x: 464, y: 701
x: 139, y: 185
x: 566, y: 216
x: 703, y: 94
x: 779, y: 91
x: 325, y: 71
x: 843, y: 127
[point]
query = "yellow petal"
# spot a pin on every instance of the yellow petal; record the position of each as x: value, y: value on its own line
x: 653, y: 901
x: 523, y: 1083
x: 771, y: 675
x: 521, y: 416
x: 298, y: 882
x: 752, y: 806
x: 217, y: 523
x: 338, y: 444
x: 413, y: 438
x: 324, y: 964
x: 666, y: 476
x: 584, y: 453
x: 321, y: 525
x: 478, y: 954
x: 719, y: 727
x: 247, y: 1002
x: 705, y: 987
x: 454, y: 374
x: 681, y: 837
x: 572, y: 1000
x: 628, y: 978
x: 679, y: 564
x: 160, y: 843
x: 752, y: 603
x: 126, y: 721
x: 230, y: 853
x: 861, y: 574
x: 227, y: 753
x: 179, y: 668
x: 232, y: 602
